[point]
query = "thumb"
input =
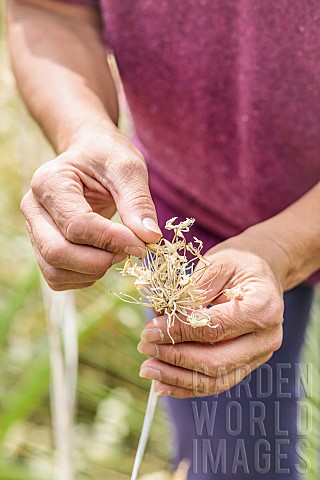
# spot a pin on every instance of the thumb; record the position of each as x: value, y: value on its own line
x: 134, y: 202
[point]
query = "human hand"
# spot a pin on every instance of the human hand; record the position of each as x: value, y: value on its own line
x: 204, y: 360
x: 71, y: 201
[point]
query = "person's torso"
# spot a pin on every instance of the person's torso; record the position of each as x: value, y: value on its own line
x: 225, y: 98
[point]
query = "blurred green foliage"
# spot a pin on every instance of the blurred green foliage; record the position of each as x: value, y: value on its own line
x: 111, y: 396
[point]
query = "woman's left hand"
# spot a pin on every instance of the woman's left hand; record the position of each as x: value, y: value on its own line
x: 207, y: 361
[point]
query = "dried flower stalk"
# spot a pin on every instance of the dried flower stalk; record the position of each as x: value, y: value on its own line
x: 168, y: 282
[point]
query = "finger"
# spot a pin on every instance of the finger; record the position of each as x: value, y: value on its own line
x: 128, y: 184
x: 58, y: 188
x: 215, y: 278
x: 59, y: 252
x: 197, y: 383
x: 208, y: 359
x: 57, y: 276
x: 232, y: 319
x: 60, y: 287
x: 227, y: 321
x: 59, y: 279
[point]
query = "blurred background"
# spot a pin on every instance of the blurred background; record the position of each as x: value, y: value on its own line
x: 111, y: 398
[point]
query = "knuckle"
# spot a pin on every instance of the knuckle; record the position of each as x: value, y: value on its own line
x: 274, y: 315
x: 53, y: 253
x: 51, y: 274
x: 178, y: 380
x: 176, y: 355
x: 99, y: 275
x: 28, y: 207
x: 205, y: 335
x: 39, y: 179
x: 180, y: 332
x: 76, y: 230
x: 225, y: 326
x: 212, y: 335
x: 202, y: 334
x: 273, y: 318
x: 99, y: 270
x: 142, y: 200
x: 131, y: 170
x: 261, y: 342
x: 134, y: 177
x: 24, y: 204
x: 134, y: 166
x: 80, y: 230
x: 278, y: 306
x: 106, y: 242
x: 270, y: 313
x: 29, y: 230
x: 57, y: 287
x: 276, y: 341
x: 107, y: 239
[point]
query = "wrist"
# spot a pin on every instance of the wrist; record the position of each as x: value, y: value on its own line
x: 266, y: 243
x: 263, y: 256
x: 103, y: 144
x: 295, y: 232
x: 88, y: 136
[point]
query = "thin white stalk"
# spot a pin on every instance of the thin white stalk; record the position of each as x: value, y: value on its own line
x: 62, y: 334
x: 70, y: 344
x: 147, y: 422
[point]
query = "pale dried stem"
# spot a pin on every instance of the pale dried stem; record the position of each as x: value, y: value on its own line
x: 167, y: 281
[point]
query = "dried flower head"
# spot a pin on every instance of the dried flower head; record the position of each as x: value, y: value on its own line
x: 167, y: 279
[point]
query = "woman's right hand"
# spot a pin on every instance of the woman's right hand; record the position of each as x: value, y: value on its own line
x: 71, y: 202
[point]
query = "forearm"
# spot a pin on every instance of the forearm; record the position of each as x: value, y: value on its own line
x: 61, y: 69
x: 295, y: 235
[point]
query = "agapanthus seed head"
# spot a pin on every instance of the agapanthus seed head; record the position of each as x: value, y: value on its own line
x: 167, y: 280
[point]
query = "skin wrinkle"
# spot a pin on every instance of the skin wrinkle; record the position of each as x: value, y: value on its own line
x: 194, y: 380
x: 252, y: 190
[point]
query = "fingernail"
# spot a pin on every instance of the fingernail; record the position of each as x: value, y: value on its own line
x: 149, y: 349
x: 147, y: 372
x: 164, y: 393
x: 150, y: 224
x: 152, y: 335
x: 135, y: 251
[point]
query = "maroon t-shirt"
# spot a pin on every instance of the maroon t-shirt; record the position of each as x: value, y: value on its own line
x: 225, y: 99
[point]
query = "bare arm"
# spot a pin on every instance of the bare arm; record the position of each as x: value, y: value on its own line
x: 60, y: 65
x: 296, y: 233
x: 61, y: 68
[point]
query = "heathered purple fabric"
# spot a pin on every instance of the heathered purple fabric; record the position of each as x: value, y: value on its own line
x: 225, y: 99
